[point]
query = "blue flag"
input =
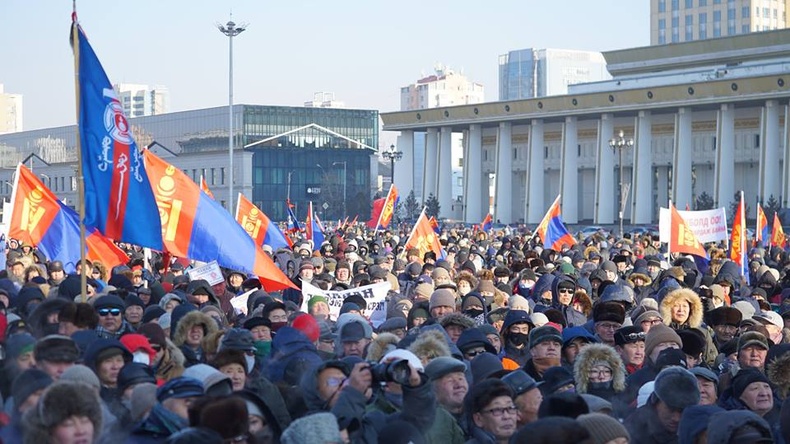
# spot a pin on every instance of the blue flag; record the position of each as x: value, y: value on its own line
x: 117, y: 189
x: 2, y: 252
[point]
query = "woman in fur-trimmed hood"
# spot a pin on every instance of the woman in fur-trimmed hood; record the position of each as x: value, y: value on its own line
x: 591, y: 375
x: 184, y: 340
x: 681, y: 309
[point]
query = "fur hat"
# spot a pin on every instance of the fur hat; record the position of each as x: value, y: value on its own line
x: 225, y: 415
x: 609, y: 312
x: 567, y: 404
x: 318, y: 427
x: 677, y: 388
x: 778, y: 371
x: 458, y: 319
x: 58, y: 403
x: 430, y: 344
x: 592, y: 355
x: 381, y: 345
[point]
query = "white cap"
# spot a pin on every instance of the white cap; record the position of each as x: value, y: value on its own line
x: 770, y: 317
x: 400, y: 353
x: 644, y: 393
x: 538, y: 319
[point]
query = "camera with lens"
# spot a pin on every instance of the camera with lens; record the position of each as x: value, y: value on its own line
x: 397, y: 371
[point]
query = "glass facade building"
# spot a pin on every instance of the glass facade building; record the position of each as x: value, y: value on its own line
x: 328, y: 153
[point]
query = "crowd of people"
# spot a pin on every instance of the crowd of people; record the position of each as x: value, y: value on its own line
x: 495, y: 340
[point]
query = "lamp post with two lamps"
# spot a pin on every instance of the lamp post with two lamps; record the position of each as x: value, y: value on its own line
x: 620, y: 143
x: 230, y: 30
x: 392, y: 155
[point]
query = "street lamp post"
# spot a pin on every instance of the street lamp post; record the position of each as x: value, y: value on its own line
x: 392, y: 155
x: 230, y: 30
x: 620, y: 143
x: 345, y: 165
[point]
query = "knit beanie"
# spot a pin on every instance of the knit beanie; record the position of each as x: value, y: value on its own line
x: 743, y: 378
x: 307, y: 325
x: 423, y: 290
x: 440, y: 272
x: 518, y: 302
x: 602, y: 428
x: 442, y: 297
x: 143, y: 400
x: 315, y: 299
x: 83, y: 374
x: 28, y: 382
x: 319, y: 427
x: 658, y: 334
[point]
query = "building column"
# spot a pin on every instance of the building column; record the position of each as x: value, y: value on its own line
x: 473, y: 175
x: 604, y: 172
x: 431, y: 164
x: 663, y: 185
x: 503, y: 211
x: 535, y: 174
x: 404, y: 168
x: 725, y: 155
x: 642, y: 187
x: 769, y: 152
x: 444, y: 187
x: 569, y: 173
x: 786, y: 165
x: 681, y: 161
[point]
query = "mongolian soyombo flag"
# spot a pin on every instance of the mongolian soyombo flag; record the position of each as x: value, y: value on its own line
x: 204, y: 187
x: 761, y: 233
x: 552, y: 229
x: 118, y: 197
x: 388, y: 209
x: 258, y: 225
x: 777, y: 233
x: 423, y: 238
x: 313, y: 229
x: 681, y: 238
x: 39, y: 218
x: 197, y: 227
x: 738, y: 239
x: 375, y: 213
x: 487, y: 223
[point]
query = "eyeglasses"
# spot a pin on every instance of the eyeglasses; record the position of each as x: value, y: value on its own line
x: 334, y: 382
x: 634, y: 336
x: 109, y: 312
x: 608, y: 325
x: 565, y: 290
x: 600, y: 372
x: 653, y: 321
x: 497, y: 412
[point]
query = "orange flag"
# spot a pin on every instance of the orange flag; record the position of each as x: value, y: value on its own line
x: 423, y: 238
x: 204, y: 187
x: 777, y: 233
x: 681, y: 238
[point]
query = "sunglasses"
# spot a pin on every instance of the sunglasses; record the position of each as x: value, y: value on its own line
x: 634, y: 336
x: 565, y: 290
x: 109, y: 311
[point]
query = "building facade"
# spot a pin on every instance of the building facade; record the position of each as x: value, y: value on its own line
x: 317, y: 154
x: 676, y: 21
x: 528, y: 73
x: 143, y: 100
x: 10, y: 112
x: 706, y: 116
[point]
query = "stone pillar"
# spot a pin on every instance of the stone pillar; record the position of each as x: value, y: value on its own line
x: 535, y: 174
x: 431, y: 164
x: 503, y: 208
x: 725, y: 155
x: 786, y: 165
x: 404, y: 168
x: 444, y: 187
x: 642, y: 181
x: 681, y: 173
x: 473, y: 175
x: 769, y: 152
x: 569, y: 174
x: 604, y: 172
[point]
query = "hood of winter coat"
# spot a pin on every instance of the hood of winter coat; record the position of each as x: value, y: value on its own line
x: 190, y: 320
x: 586, y: 360
x: 722, y: 425
x: 543, y: 284
x: 555, y: 295
x: 695, y: 306
x: 98, y: 346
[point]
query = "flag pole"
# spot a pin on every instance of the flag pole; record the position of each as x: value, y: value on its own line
x: 545, y: 218
x: 80, y: 178
x: 669, y: 244
x: 378, y: 222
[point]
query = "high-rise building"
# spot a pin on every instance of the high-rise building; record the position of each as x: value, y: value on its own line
x: 143, y: 100
x: 676, y: 21
x: 324, y: 100
x: 443, y: 88
x: 528, y: 73
x: 10, y: 112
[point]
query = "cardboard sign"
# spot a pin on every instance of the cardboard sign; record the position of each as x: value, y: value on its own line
x: 707, y: 225
x: 239, y: 302
x: 375, y: 295
x: 210, y: 272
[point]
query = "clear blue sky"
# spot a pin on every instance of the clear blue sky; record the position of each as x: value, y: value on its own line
x: 362, y: 50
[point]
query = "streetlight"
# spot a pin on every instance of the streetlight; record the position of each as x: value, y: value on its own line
x: 620, y: 143
x: 230, y: 30
x: 392, y: 155
x: 345, y: 165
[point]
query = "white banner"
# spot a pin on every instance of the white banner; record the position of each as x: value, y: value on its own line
x: 375, y: 295
x: 707, y: 225
x: 209, y: 272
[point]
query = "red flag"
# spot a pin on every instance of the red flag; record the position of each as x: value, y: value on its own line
x: 204, y: 187
x: 378, y: 205
x: 552, y: 229
x: 738, y: 238
x: 681, y: 238
x: 258, y: 225
x: 777, y: 233
x: 761, y: 232
x: 423, y: 238
x: 388, y: 210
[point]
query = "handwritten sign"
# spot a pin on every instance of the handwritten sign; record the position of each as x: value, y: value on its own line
x: 375, y: 296
x: 210, y: 272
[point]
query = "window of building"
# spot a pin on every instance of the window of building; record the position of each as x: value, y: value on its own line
x: 515, y: 154
x: 731, y: 13
x: 675, y: 22
x: 662, y: 37
x: 213, y: 176
x: 662, y: 24
x: 703, y: 2
x: 222, y: 176
x: 731, y: 29
x: 744, y: 29
x: 675, y: 5
x: 689, y: 4
x: 716, y: 16
x: 662, y: 5
x: 459, y: 181
x: 746, y: 12
x: 776, y: 14
x: 716, y: 2
x: 675, y: 35
x: 545, y: 152
x: 717, y: 29
x: 703, y: 18
x: 766, y: 12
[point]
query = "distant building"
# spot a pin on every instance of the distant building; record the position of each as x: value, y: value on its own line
x: 443, y: 88
x: 324, y: 100
x: 676, y: 21
x: 143, y: 100
x: 10, y: 112
x: 529, y: 73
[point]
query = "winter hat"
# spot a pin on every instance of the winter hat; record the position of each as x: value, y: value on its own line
x: 19, y: 344
x: 554, y: 378
x: 442, y: 297
x: 307, y: 325
x: 569, y: 405
x: 543, y: 334
x: 423, y: 290
x: 143, y: 399
x: 132, y: 300
x: 134, y: 373
x: 314, y: 300
x: 27, y: 383
x: 225, y: 415
x: 83, y: 374
x: 181, y: 387
x: 609, y: 312
x: 695, y: 420
x: 400, y: 432
x: 602, y: 428
x: 538, y: 319
x: 519, y: 381
x: 152, y: 312
x: 752, y: 338
x: 485, y: 365
x: 746, y: 308
x: 677, y: 388
x: 644, y: 393
x: 56, y: 348
x: 743, y: 378
x: 63, y: 400
x: 440, y: 272
x: 658, y: 334
x: 471, y: 338
x: 109, y: 301
x: 401, y: 354
x: 318, y: 427
x: 238, y: 339
x: 154, y: 333
x: 165, y: 320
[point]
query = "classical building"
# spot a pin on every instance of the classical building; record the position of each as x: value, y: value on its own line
x: 708, y: 116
